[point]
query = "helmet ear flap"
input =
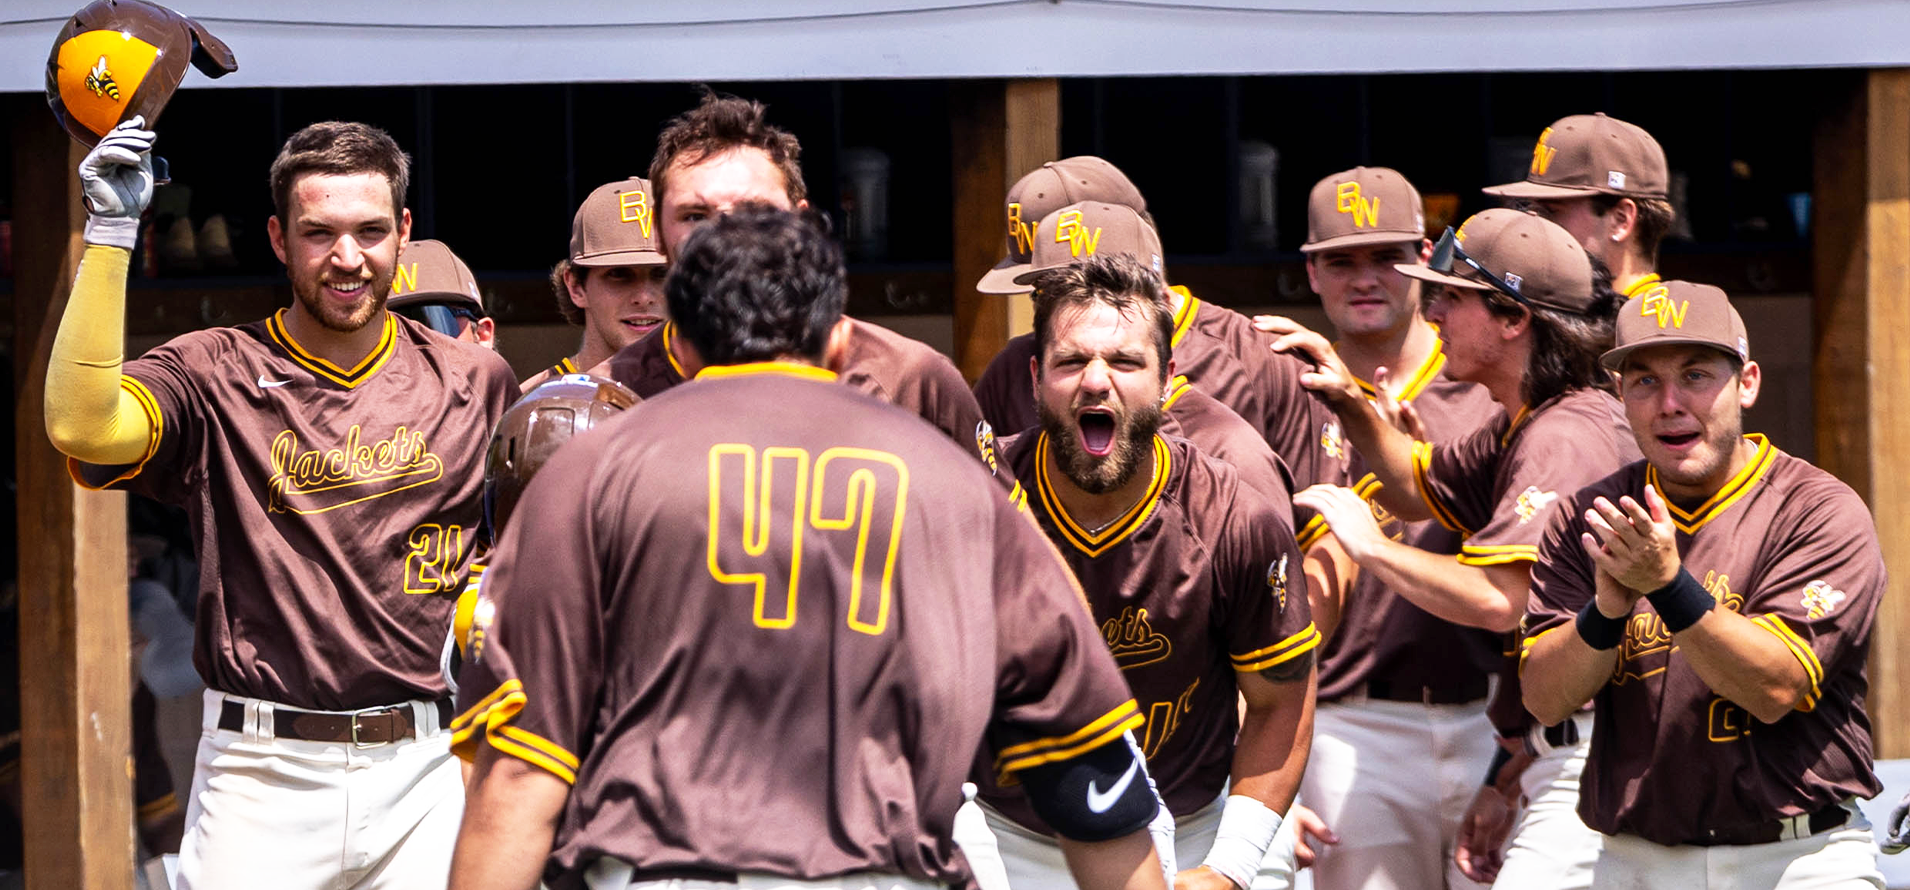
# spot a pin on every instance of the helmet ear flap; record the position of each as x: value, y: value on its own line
x: 210, y: 54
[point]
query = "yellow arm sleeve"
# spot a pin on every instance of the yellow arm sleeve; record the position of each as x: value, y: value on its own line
x: 89, y: 416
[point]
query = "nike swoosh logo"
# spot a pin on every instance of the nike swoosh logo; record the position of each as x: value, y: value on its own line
x: 1100, y: 801
x: 268, y: 384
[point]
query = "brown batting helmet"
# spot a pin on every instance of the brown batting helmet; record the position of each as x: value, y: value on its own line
x: 540, y: 423
x: 119, y: 58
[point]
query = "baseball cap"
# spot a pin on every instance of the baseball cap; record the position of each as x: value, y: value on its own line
x: 1092, y: 228
x: 616, y: 226
x: 1519, y: 254
x: 1588, y: 154
x: 1364, y: 205
x: 1674, y: 313
x: 428, y: 272
x: 1046, y: 189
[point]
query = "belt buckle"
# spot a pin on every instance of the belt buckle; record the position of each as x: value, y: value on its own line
x: 364, y: 712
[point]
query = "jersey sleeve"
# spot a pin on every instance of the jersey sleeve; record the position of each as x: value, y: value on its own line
x: 1264, y: 619
x: 1058, y: 693
x: 166, y: 382
x: 1005, y: 391
x: 1820, y: 596
x: 1546, y: 464
x: 1456, y: 478
x: 1299, y: 428
x: 535, y: 652
x: 1564, y: 578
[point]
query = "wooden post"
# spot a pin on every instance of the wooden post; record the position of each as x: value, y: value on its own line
x: 75, y: 672
x: 1861, y: 362
x: 1002, y: 129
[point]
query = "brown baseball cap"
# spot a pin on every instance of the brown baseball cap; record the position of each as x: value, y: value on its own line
x: 616, y: 226
x: 1519, y: 254
x: 1678, y: 313
x: 1043, y: 191
x: 1092, y: 228
x: 1364, y: 205
x: 1588, y: 154
x: 428, y: 272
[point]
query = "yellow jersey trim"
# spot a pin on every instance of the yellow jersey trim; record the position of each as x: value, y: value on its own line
x: 1428, y: 372
x: 1184, y: 319
x: 1176, y: 388
x: 1497, y: 554
x: 669, y: 336
x: 1092, y: 543
x: 1518, y: 420
x: 564, y: 366
x: 1525, y: 645
x: 1284, y: 651
x: 789, y: 369
x: 162, y: 806
x: 492, y: 716
x: 1422, y: 473
x: 1315, y: 530
x: 347, y: 378
x: 155, y: 421
x: 1733, y: 490
x: 1019, y: 497
x: 1638, y: 287
x: 1813, y: 668
x: 1104, y: 729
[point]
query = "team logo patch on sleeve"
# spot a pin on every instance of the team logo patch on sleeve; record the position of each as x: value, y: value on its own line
x: 985, y: 444
x: 1532, y: 501
x: 1821, y: 599
x: 1330, y: 440
x: 1277, y: 580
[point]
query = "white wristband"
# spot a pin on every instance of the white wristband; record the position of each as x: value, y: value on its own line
x: 112, y: 231
x: 1246, y: 831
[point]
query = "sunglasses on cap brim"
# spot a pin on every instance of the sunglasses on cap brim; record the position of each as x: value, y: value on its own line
x: 440, y: 317
x: 1447, y: 250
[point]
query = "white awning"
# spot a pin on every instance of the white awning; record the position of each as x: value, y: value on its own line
x: 282, y: 44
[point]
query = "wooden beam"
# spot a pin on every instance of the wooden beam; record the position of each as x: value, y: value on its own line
x: 1002, y: 129
x: 75, y: 671
x: 1861, y: 271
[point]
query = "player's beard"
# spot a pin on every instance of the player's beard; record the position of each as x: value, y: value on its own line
x: 1708, y: 464
x: 343, y: 318
x: 1099, y: 474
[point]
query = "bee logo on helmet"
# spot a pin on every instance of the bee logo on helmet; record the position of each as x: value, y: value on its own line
x: 119, y: 58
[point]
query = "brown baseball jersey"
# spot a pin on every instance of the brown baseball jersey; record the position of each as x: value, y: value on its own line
x: 898, y: 370
x: 1383, y: 638
x: 1219, y: 351
x: 563, y: 366
x: 1219, y: 433
x: 335, y: 509
x: 764, y: 625
x: 1785, y: 544
x: 1499, y: 485
x: 1199, y: 579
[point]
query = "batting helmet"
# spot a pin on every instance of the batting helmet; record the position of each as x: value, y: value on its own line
x: 540, y: 423
x: 118, y: 58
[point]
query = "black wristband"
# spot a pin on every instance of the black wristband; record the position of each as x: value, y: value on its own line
x: 1500, y: 757
x: 1682, y: 602
x: 1598, y: 631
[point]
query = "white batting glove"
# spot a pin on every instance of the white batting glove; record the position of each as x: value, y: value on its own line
x: 1899, y: 827
x: 116, y: 181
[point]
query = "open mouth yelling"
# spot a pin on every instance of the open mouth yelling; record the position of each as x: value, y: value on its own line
x: 1097, y: 431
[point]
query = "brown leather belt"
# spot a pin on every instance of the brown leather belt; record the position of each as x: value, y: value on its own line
x: 1386, y: 690
x: 367, y: 728
x: 1772, y: 831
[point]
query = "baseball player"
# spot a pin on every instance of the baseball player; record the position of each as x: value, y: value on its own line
x: 330, y: 458
x: 1606, y: 182
x: 720, y: 155
x: 611, y: 285
x: 1520, y: 313
x: 1400, y: 737
x: 1713, y: 602
x: 1187, y: 570
x: 1216, y: 349
x: 434, y: 288
x: 741, y: 643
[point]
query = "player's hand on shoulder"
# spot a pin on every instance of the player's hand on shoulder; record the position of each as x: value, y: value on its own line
x: 1329, y: 377
x: 116, y: 182
x: 1400, y: 415
x: 1202, y: 878
x: 1349, y: 517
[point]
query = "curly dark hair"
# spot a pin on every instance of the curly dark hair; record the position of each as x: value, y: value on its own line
x: 721, y: 123
x: 756, y: 284
x: 1114, y: 280
x: 1565, y: 345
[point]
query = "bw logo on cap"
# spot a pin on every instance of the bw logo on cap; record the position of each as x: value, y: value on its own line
x: 1678, y: 313
x: 1044, y: 190
x: 1588, y: 154
x: 615, y: 226
x: 1088, y: 229
x: 1364, y: 205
